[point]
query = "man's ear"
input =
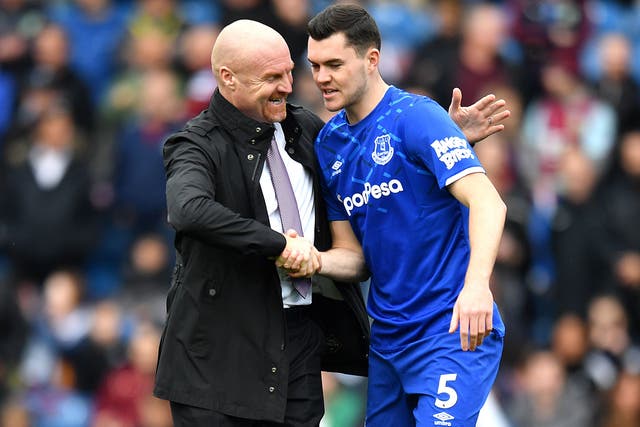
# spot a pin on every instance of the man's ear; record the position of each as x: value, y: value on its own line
x: 373, y: 57
x: 227, y: 77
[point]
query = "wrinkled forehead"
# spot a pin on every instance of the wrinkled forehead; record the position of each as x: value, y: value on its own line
x: 273, y: 60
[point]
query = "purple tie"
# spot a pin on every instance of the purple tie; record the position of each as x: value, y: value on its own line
x: 287, y: 205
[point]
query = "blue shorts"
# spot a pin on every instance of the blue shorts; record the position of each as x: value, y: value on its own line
x: 431, y: 382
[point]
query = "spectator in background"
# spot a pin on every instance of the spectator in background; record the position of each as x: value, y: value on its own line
x: 20, y: 22
x: 434, y: 58
x: 477, y: 62
x: 56, y: 403
x: 123, y: 399
x: 623, y: 402
x: 139, y: 178
x: 49, y: 79
x: 194, y: 58
x: 51, y: 62
x: 150, y: 47
x: 616, y: 84
x: 484, y: 32
x: 14, y: 413
x: 102, y: 349
x: 34, y: 97
x: 576, y: 247
x: 65, y: 318
x: 611, y: 349
x: 570, y: 344
x: 110, y: 329
x: 157, y: 15
x: 403, y: 26
x: 139, y: 172
x: 57, y: 329
x: 95, y: 29
x: 543, y: 29
x: 546, y: 397
x: 52, y: 393
x: 618, y: 235
x: 290, y: 20
x: 149, y: 50
x: 566, y: 117
x: 47, y: 216
x: 151, y: 44
x: 145, y: 279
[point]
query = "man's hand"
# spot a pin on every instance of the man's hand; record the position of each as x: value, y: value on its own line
x: 300, y: 258
x: 479, y: 120
x: 473, y: 311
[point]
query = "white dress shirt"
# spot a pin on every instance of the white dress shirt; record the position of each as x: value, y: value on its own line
x: 302, y: 184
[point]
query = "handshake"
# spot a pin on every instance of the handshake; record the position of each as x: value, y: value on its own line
x: 299, y: 258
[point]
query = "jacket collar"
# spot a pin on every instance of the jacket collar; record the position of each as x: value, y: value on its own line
x: 245, y: 128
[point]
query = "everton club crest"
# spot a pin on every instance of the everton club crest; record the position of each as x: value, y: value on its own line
x: 382, y: 151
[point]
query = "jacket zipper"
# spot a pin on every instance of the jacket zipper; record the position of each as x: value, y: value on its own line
x: 255, y: 167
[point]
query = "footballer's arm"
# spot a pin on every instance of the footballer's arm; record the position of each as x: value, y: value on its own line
x: 345, y: 260
x: 473, y: 310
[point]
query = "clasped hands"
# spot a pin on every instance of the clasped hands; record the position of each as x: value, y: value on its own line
x: 299, y: 257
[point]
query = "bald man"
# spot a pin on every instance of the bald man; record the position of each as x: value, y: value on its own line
x: 243, y: 345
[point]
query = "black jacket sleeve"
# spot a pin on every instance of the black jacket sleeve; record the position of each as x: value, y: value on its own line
x: 193, y: 210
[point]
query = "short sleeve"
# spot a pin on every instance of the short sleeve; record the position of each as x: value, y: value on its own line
x: 433, y: 139
x: 335, y: 208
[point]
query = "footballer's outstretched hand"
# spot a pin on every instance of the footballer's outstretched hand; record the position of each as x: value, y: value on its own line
x: 485, y: 117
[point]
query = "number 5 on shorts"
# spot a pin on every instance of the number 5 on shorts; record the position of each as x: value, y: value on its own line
x: 443, y: 388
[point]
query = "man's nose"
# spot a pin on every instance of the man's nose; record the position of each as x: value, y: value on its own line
x: 322, y: 75
x: 286, y: 85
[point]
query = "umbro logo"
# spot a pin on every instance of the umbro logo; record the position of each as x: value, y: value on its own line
x: 336, y: 168
x: 443, y: 419
x: 443, y: 416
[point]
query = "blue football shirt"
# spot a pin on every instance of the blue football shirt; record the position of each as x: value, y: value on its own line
x: 387, y: 175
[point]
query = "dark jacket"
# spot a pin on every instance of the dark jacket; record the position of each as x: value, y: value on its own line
x: 43, y: 229
x: 223, y: 343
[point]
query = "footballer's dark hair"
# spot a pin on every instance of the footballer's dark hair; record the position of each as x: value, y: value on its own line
x: 359, y: 28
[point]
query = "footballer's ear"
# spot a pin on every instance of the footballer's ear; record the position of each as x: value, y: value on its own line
x: 373, y: 57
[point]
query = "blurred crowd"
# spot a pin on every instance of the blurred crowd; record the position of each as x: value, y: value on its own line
x: 90, y: 88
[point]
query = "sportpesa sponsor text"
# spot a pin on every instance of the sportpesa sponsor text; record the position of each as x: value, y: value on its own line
x: 376, y: 191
